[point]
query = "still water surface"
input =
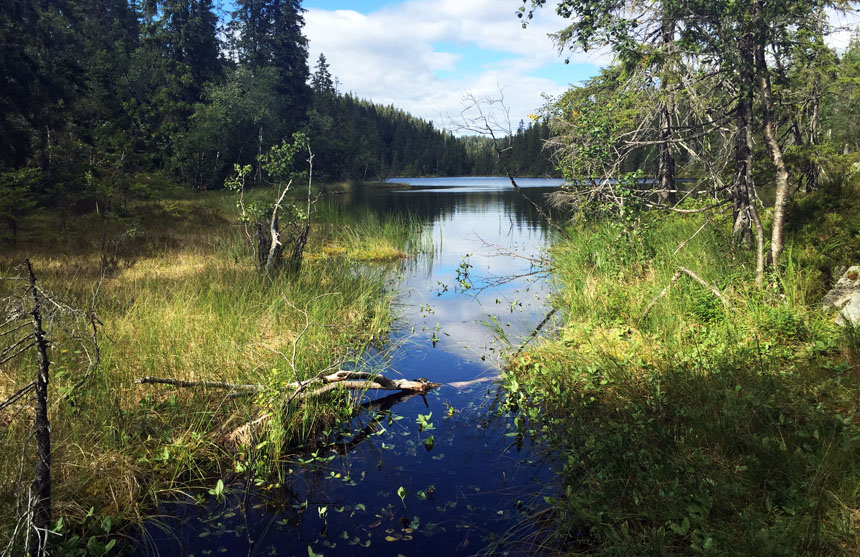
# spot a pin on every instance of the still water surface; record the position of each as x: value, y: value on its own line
x: 469, y: 487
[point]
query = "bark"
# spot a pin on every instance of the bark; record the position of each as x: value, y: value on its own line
x: 745, y: 208
x: 782, y: 186
x: 296, y: 254
x: 743, y: 155
x: 276, y: 248
x: 812, y: 170
x: 666, y: 160
x: 41, y: 486
x: 339, y: 379
x: 262, y: 246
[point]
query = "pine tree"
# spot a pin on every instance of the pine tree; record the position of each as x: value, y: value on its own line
x: 268, y: 33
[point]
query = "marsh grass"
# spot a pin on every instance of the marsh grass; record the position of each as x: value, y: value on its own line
x: 700, y: 428
x: 174, y: 286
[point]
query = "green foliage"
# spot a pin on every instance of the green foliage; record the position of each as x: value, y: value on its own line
x: 697, y: 429
x: 90, y: 537
x: 589, y: 121
x: 279, y: 168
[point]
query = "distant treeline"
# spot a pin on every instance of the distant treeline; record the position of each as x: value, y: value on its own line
x: 102, y: 99
x: 357, y: 139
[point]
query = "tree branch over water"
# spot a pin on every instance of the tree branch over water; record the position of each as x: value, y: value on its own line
x: 478, y: 116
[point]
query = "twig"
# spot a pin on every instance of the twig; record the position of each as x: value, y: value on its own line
x: 706, y: 223
x: 690, y: 211
x: 20, y: 393
x: 536, y: 331
x: 701, y: 281
x: 675, y: 277
x: 206, y: 384
x: 5, y: 356
x: 10, y: 331
x: 662, y: 293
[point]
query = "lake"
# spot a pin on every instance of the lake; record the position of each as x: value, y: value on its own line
x: 412, y: 475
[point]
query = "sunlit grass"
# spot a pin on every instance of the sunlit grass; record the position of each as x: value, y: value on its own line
x: 181, y: 299
x: 699, y: 428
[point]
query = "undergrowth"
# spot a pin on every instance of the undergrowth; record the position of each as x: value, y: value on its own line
x: 174, y: 286
x: 700, y: 428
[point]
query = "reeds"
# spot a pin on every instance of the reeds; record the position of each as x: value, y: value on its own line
x: 177, y: 294
x: 701, y: 428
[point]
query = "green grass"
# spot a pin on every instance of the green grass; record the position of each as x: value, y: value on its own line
x: 181, y: 299
x: 699, y: 429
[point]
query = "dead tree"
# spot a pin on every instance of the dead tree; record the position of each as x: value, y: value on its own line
x: 474, y: 118
x: 41, y: 487
x: 270, y: 236
x: 39, y: 311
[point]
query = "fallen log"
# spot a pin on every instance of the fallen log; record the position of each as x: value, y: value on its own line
x: 340, y: 379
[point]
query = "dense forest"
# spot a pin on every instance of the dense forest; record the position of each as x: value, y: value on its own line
x: 103, y: 100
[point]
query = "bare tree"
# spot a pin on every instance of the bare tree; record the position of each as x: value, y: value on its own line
x: 490, y: 117
x: 42, y: 312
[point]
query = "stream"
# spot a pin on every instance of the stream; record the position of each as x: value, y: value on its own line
x: 443, y: 474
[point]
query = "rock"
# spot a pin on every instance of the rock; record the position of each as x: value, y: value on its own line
x: 851, y: 312
x: 845, y: 297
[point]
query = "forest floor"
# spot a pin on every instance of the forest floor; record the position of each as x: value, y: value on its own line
x: 175, y: 292
x: 702, y: 427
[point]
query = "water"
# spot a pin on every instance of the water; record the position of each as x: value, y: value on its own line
x: 386, y: 487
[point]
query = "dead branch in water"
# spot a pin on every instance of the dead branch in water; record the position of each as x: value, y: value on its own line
x: 684, y: 271
x: 536, y: 331
x: 340, y: 379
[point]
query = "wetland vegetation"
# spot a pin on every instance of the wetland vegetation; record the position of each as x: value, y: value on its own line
x: 202, y: 293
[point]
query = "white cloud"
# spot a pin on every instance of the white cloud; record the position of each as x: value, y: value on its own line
x: 390, y: 56
x: 401, y: 53
x: 843, y: 24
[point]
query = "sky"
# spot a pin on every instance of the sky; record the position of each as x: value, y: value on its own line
x: 424, y: 56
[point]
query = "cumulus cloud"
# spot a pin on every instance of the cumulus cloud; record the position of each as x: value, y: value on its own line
x: 409, y: 54
x: 417, y: 54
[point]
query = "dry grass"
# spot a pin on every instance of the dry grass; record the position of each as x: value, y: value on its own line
x: 177, y: 298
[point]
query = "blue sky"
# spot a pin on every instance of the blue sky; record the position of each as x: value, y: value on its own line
x: 425, y: 55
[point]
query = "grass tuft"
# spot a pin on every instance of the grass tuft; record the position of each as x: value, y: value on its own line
x: 700, y: 428
x: 180, y: 298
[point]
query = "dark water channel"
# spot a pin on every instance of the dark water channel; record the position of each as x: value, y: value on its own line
x: 459, y: 484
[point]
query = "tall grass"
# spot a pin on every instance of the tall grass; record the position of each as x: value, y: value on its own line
x: 699, y: 428
x: 180, y: 298
x: 364, y: 235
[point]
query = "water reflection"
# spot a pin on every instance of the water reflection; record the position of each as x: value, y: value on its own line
x: 386, y: 484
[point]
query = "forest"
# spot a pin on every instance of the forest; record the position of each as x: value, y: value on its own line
x: 214, y: 259
x: 104, y: 101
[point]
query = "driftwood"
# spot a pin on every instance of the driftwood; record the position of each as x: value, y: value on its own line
x: 340, y: 379
x: 684, y: 271
x: 343, y: 379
